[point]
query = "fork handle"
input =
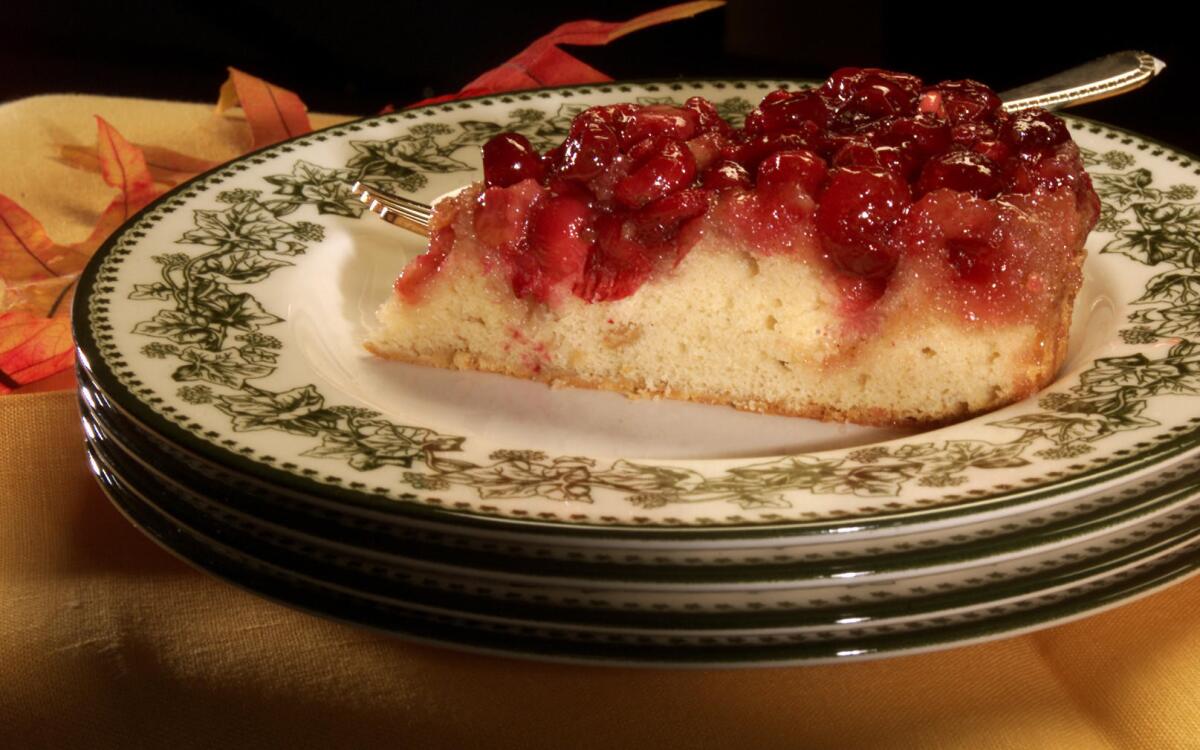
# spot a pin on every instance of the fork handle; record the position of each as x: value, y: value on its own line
x: 1099, y: 79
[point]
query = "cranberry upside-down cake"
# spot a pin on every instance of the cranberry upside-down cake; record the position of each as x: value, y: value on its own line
x: 874, y: 250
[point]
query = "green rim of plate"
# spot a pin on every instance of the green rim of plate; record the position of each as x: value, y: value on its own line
x: 153, y: 462
x: 308, y: 560
x: 462, y: 633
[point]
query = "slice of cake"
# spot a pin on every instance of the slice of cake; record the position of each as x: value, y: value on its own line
x: 874, y: 250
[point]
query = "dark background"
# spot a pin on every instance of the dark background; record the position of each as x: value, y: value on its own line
x: 355, y: 57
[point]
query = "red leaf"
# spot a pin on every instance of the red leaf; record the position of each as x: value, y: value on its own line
x: 544, y: 64
x: 274, y: 113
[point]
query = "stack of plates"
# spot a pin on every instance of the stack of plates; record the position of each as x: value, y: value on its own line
x: 231, y: 414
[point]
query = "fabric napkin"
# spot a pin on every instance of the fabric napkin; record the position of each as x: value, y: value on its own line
x: 107, y: 640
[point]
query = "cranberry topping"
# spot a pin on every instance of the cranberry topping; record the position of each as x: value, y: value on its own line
x: 964, y: 101
x: 799, y: 167
x: 858, y: 213
x: 964, y: 171
x: 509, y: 158
x: 835, y: 168
x: 1034, y: 130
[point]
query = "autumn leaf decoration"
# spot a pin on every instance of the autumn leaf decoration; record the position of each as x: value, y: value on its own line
x: 37, y: 274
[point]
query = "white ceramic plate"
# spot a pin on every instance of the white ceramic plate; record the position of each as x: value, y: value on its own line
x: 226, y: 317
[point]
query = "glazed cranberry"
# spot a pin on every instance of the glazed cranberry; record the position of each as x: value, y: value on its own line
x: 994, y: 150
x: 964, y: 101
x: 707, y: 117
x: 560, y: 233
x: 775, y: 97
x: 509, y: 158
x: 926, y: 134
x: 970, y: 133
x: 841, y: 83
x: 860, y: 152
x: 1034, y: 130
x: 964, y: 171
x: 793, y: 113
x: 589, y: 150
x: 616, y: 265
x: 659, y: 221
x: 658, y: 121
x: 881, y: 93
x: 726, y: 174
x: 859, y: 212
x: 707, y: 149
x: 750, y: 150
x: 659, y: 170
x: 800, y: 167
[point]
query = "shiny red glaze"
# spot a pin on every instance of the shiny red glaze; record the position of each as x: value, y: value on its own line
x: 800, y: 167
x: 859, y: 211
x: 708, y: 119
x: 966, y: 101
x: 560, y: 236
x: 860, y: 152
x: 616, y: 266
x: 1034, y: 130
x: 661, y: 171
x: 726, y: 174
x: 588, y: 150
x: 964, y: 171
x: 658, y: 121
x: 510, y: 158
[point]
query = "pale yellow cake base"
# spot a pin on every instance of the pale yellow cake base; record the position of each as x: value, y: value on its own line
x: 757, y: 333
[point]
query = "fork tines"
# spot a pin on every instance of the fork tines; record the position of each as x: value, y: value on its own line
x: 403, y: 212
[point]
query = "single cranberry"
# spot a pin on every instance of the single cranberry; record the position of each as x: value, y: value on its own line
x: 658, y: 121
x: 560, y: 233
x: 775, y: 97
x: 800, y: 167
x: 509, y: 158
x: 858, y: 214
x: 707, y: 116
x: 659, y: 222
x: 970, y: 133
x: 1034, y: 130
x: 616, y: 265
x: 926, y: 134
x: 880, y: 93
x: 994, y: 150
x: 588, y: 151
x: 751, y: 149
x: 964, y: 171
x: 965, y: 101
x: 662, y: 169
x: 860, y: 152
x: 726, y: 174
x: 794, y: 112
x: 841, y: 83
x: 707, y: 148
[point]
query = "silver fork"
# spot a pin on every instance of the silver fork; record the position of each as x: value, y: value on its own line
x: 1111, y: 75
x: 403, y: 212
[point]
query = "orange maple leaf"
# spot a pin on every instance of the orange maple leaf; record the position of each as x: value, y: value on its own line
x: 274, y: 113
x: 167, y: 167
x: 38, y: 274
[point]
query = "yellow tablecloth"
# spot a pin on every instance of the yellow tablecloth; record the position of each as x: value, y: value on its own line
x: 108, y: 641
